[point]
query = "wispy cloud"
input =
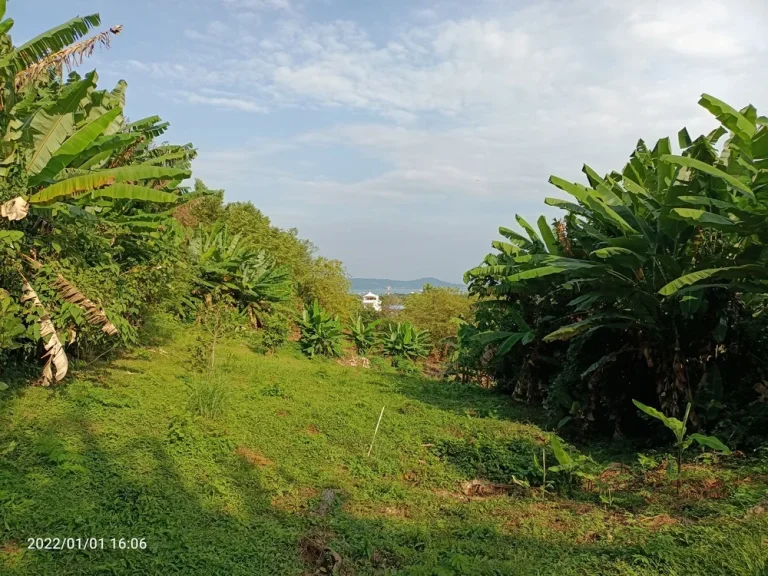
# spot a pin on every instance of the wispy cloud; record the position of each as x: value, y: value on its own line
x: 458, y: 107
x: 222, y: 102
x: 258, y: 4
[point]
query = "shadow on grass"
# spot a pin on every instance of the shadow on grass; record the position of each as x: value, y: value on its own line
x: 137, y: 491
x: 464, y: 399
x: 477, y: 402
x: 204, y: 510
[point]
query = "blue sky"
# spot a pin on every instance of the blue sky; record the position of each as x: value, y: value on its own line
x: 398, y: 136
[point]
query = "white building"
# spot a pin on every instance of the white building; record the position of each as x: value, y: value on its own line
x: 372, y: 301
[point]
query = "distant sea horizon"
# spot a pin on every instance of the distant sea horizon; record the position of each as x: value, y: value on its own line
x: 381, y: 286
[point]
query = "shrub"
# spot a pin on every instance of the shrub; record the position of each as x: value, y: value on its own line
x: 11, y: 326
x: 273, y: 332
x: 404, y: 340
x: 363, y: 335
x: 435, y: 310
x: 492, y: 460
x: 320, y: 332
x: 406, y: 366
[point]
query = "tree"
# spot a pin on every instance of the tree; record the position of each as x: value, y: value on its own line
x: 649, y: 273
x: 76, y: 181
x: 436, y: 310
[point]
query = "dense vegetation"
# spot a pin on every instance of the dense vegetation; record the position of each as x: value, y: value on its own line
x: 232, y: 431
x: 97, y: 231
x: 650, y: 287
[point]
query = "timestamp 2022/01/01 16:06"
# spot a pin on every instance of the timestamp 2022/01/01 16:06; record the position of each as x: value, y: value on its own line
x: 89, y: 543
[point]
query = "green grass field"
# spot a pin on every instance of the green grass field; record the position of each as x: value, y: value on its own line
x: 118, y: 453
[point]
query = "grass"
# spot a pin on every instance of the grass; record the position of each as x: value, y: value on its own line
x: 277, y: 481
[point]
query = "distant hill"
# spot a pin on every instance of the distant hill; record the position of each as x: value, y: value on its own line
x: 379, y: 285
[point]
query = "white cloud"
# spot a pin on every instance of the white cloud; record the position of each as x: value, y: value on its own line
x: 218, y: 28
x: 692, y: 28
x: 258, y: 4
x: 471, y: 106
x: 222, y: 102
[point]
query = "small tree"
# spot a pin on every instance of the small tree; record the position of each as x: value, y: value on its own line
x: 216, y: 320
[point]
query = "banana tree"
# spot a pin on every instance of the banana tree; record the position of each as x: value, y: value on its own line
x: 67, y: 153
x: 643, y: 255
x: 227, y: 264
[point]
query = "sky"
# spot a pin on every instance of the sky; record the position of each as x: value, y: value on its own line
x: 398, y: 136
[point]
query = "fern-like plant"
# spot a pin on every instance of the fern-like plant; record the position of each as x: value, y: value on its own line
x: 320, y: 332
x: 363, y: 335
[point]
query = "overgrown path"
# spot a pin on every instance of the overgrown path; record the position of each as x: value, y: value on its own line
x: 281, y: 484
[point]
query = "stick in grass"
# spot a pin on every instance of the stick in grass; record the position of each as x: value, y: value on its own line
x: 376, y: 431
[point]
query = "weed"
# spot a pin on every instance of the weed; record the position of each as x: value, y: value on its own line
x: 275, y: 391
x: 207, y: 397
x: 572, y: 467
x: 493, y: 460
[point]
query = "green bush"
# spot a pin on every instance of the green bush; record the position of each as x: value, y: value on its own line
x: 320, y: 332
x: 12, y: 328
x: 272, y: 333
x: 404, y: 340
x: 363, y: 335
x: 406, y: 366
x: 493, y: 460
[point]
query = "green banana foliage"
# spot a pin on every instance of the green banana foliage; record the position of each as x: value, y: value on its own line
x: 363, y: 334
x: 227, y: 264
x: 403, y: 340
x: 78, y: 196
x: 321, y: 333
x: 656, y: 263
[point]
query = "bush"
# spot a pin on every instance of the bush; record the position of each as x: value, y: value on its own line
x: 320, y: 332
x: 435, y: 310
x: 403, y: 340
x: 493, y: 460
x: 11, y: 326
x: 272, y: 333
x: 406, y: 366
x: 363, y: 335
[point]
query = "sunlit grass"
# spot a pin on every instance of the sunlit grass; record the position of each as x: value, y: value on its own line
x: 227, y: 481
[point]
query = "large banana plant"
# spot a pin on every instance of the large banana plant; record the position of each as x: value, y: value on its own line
x: 41, y: 52
x: 54, y: 136
x: 642, y: 250
x: 227, y: 264
x: 68, y: 153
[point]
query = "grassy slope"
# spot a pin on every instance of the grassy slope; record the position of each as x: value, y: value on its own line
x: 117, y: 455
